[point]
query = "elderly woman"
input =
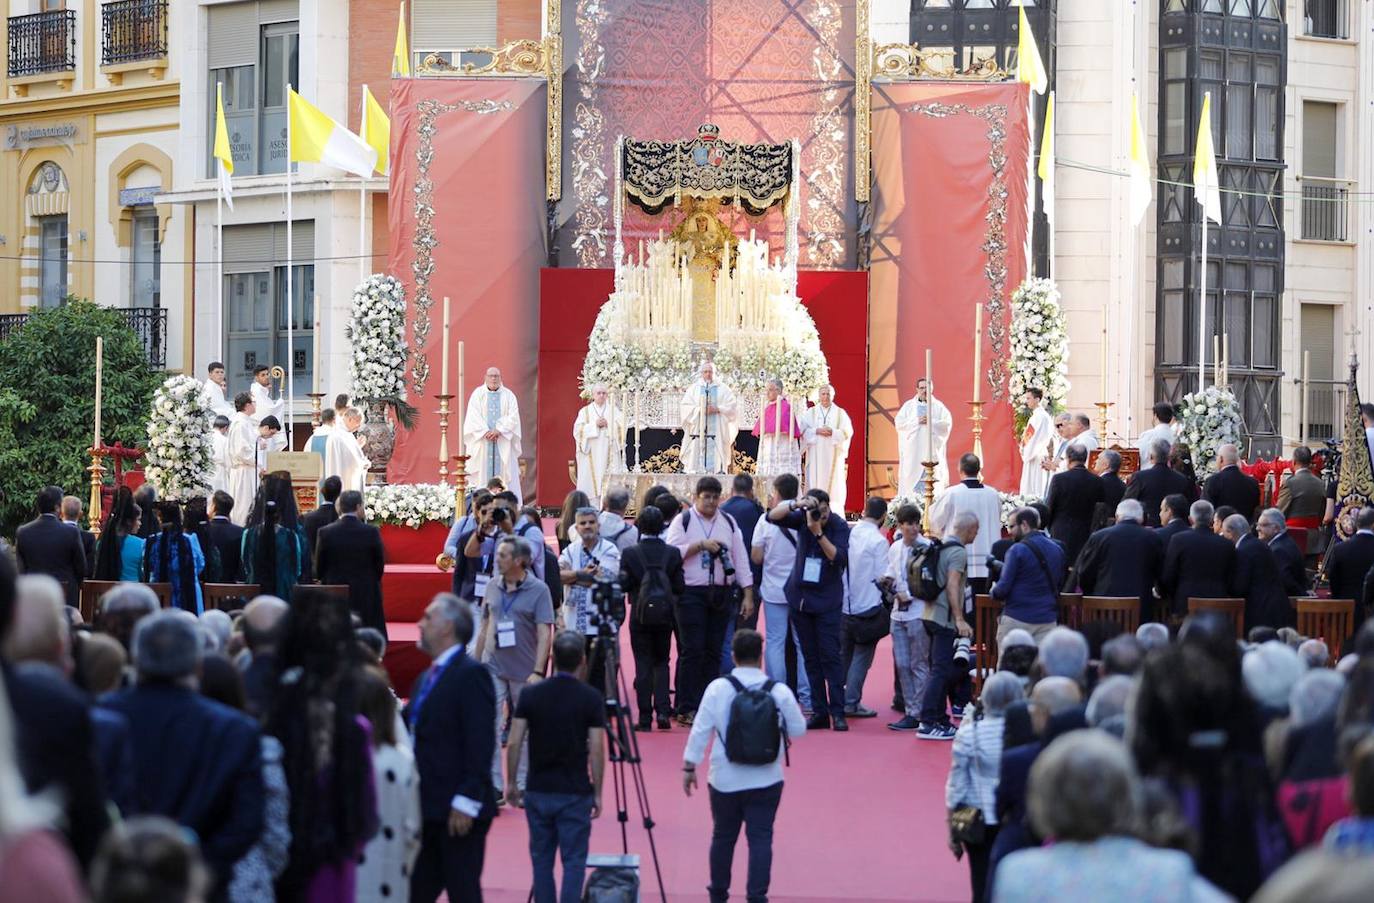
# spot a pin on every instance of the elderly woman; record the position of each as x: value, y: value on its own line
x: 1085, y: 796
x: 976, y: 762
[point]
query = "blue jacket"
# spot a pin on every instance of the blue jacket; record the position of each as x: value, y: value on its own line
x: 1029, y: 596
x: 455, y: 738
x: 828, y: 594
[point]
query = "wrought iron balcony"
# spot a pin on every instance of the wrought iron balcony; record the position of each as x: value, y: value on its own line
x: 1327, y: 19
x: 1325, y: 208
x: 148, y: 323
x: 134, y: 30
x: 42, y: 42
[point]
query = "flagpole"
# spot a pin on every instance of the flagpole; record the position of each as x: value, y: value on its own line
x: 219, y: 240
x: 363, y: 261
x: 290, y: 293
x: 1202, y: 312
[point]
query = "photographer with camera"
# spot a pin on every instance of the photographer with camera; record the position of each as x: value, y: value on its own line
x: 479, y: 549
x: 815, y: 593
x: 590, y: 570
x: 1030, y: 579
x: 715, y: 565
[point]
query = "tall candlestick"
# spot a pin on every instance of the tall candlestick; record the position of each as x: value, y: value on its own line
x: 930, y: 404
x: 462, y: 397
x: 1104, y: 355
x: 1225, y: 360
x: 315, y: 362
x: 443, y: 357
x: 1216, y: 361
x: 638, y: 428
x: 977, y: 351
x: 99, y: 374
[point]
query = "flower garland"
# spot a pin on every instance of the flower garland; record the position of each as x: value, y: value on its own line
x: 1206, y: 421
x: 179, y: 444
x: 409, y: 504
x: 1039, y: 345
x: 376, y: 333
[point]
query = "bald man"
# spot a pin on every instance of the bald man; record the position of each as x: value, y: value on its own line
x: 491, y: 431
x: 1231, y: 486
x: 262, y: 623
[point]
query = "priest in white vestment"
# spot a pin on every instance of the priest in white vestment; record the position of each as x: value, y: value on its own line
x: 343, y: 456
x: 599, y: 437
x: 491, y: 432
x: 709, y: 415
x: 920, y: 421
x: 212, y: 396
x: 261, y: 389
x: 778, y: 432
x: 243, y: 458
x: 1037, y: 444
x: 826, y: 431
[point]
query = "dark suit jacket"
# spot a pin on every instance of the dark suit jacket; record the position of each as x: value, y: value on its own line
x: 1198, y: 564
x: 45, y: 545
x: 1072, y: 497
x: 1347, y: 568
x: 1150, y: 485
x: 746, y: 513
x: 633, y: 563
x: 1259, y: 581
x: 1123, y: 560
x: 1113, y: 491
x: 350, y: 552
x: 227, y: 538
x: 198, y: 763
x: 1302, y: 495
x: 1291, y: 567
x: 1170, y: 530
x: 87, y: 548
x: 55, y: 748
x: 1231, y: 486
x: 455, y: 738
x: 322, y: 516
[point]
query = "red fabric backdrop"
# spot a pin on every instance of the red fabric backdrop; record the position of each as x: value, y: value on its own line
x: 949, y: 232
x: 467, y: 220
x: 569, y: 303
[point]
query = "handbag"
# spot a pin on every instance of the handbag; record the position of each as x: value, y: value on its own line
x: 869, y: 627
x: 966, y: 825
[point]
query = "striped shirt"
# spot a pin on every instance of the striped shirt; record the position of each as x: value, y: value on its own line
x: 975, y: 765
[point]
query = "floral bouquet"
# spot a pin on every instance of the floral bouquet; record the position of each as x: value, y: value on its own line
x: 409, y: 504
x: 179, y: 444
x: 1208, y: 420
x: 1012, y: 501
x: 1039, y: 346
x: 376, y: 332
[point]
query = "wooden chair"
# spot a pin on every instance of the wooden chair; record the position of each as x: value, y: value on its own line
x: 1329, y: 620
x: 1071, y: 609
x: 1232, y: 608
x: 228, y: 596
x: 1121, y: 610
x: 91, y: 591
x: 986, y: 610
x: 164, y: 593
x: 339, y: 590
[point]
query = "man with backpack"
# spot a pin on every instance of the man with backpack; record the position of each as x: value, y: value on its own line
x: 909, y: 641
x: 752, y: 718
x: 614, y: 527
x: 651, y: 574
x: 944, y: 592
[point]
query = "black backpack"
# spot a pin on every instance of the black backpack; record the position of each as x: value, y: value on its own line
x: 924, y: 579
x: 654, y: 598
x: 755, y: 733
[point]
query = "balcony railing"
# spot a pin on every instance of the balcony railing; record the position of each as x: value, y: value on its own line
x: 148, y: 323
x: 1324, y: 410
x: 42, y: 42
x: 133, y: 30
x: 1326, y: 18
x: 1325, y: 208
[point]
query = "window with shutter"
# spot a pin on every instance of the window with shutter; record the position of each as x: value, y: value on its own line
x: 451, y: 24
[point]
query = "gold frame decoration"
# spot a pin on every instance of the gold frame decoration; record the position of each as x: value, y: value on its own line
x: 904, y: 62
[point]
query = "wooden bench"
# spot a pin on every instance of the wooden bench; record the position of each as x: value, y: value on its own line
x: 224, y: 596
x: 1123, y: 611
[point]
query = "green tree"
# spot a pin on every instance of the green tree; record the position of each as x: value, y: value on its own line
x: 47, y: 404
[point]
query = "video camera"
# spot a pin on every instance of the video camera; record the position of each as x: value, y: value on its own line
x: 609, y: 600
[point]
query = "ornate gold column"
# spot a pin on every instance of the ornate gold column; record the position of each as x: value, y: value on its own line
x: 863, y: 98
x: 553, y: 73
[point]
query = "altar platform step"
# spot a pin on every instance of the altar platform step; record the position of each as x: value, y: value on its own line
x: 408, y: 588
x: 403, y: 661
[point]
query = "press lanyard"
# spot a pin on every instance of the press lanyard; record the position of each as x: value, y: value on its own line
x: 506, y: 606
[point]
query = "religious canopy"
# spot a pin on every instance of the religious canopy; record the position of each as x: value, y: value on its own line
x: 659, y: 173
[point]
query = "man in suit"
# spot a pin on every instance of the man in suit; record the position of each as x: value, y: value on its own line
x: 226, y: 536
x: 1230, y: 486
x: 1198, y: 563
x: 326, y: 514
x: 1109, y: 468
x: 1273, y: 530
x: 196, y: 762
x: 71, y: 516
x: 1150, y: 485
x: 1123, y: 560
x: 1072, y: 497
x: 1173, y: 512
x: 452, y: 718
x: 1302, y: 497
x: 350, y: 552
x: 45, y: 545
x: 1348, y: 563
x: 1257, y: 577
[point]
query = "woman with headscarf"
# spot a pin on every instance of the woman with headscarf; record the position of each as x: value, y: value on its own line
x: 195, y: 521
x: 175, y: 558
x: 119, y: 553
x: 276, y: 565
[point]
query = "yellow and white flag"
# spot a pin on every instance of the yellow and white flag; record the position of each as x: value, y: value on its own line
x: 376, y: 129
x: 400, y: 57
x: 1206, y: 185
x: 222, y: 150
x: 1046, y: 166
x: 315, y: 138
x: 1142, y: 186
x: 1030, y: 68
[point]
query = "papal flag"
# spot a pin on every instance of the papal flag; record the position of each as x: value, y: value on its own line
x: 1355, y: 479
x: 222, y: 151
x: 400, y: 57
x: 1046, y: 166
x: 1206, y: 185
x: 376, y: 128
x: 1030, y: 68
x: 315, y: 138
x: 1142, y: 186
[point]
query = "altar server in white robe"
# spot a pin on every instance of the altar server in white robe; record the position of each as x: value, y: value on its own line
x: 243, y: 458
x: 1037, y: 443
x: 921, y: 420
x: 826, y: 431
x: 213, y: 394
x: 778, y: 432
x: 262, y: 395
x: 219, y: 455
x: 709, y: 416
x: 343, y: 456
x: 599, y: 436
x: 491, y: 430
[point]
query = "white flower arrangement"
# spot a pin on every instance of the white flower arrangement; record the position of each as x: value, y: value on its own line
x: 376, y: 334
x: 1207, y: 420
x: 179, y: 444
x: 409, y: 504
x: 1039, y: 343
x: 897, y: 503
x: 1012, y: 501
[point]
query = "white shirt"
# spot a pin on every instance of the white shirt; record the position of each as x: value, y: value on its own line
x: 712, y: 719
x: 899, y: 556
x: 867, y: 565
x: 779, y: 555
x: 985, y: 504
x: 1160, y: 431
x: 577, y: 600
